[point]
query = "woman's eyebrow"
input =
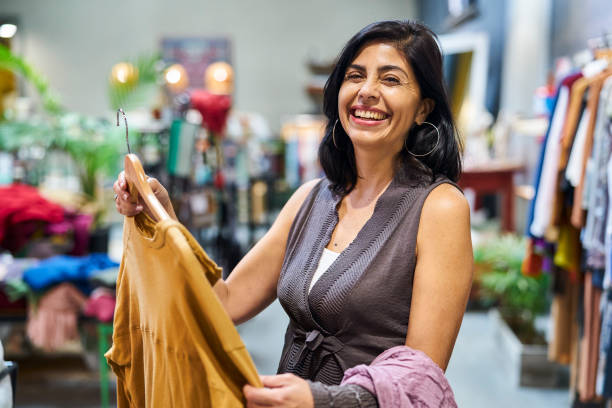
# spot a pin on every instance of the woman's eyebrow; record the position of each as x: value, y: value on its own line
x: 386, y: 68
x: 357, y: 67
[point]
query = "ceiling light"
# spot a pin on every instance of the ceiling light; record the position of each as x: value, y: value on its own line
x: 8, y: 30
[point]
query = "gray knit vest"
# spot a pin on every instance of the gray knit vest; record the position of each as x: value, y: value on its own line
x: 361, y: 305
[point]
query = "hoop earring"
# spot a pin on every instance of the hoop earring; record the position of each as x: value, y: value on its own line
x: 334, y: 134
x: 429, y: 152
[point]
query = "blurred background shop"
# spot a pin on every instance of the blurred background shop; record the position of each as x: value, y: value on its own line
x: 223, y: 103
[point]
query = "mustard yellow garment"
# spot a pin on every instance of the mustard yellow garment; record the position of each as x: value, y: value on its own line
x: 173, y: 343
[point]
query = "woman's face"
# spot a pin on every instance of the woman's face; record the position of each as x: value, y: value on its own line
x: 380, y: 99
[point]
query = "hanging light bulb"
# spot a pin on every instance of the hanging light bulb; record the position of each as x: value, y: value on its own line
x: 124, y: 73
x: 8, y: 30
x: 219, y: 78
x: 176, y: 78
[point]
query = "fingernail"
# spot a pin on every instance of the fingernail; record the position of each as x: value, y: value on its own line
x: 139, y: 208
x: 125, y: 196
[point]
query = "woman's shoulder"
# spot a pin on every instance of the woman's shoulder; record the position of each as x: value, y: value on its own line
x: 297, y: 199
x: 446, y: 197
x: 445, y: 204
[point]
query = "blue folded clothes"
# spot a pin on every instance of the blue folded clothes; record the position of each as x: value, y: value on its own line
x: 66, y: 268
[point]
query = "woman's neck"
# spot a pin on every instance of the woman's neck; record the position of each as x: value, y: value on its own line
x: 375, y: 172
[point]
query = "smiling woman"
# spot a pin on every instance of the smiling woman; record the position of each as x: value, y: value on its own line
x: 386, y: 66
x: 373, y: 262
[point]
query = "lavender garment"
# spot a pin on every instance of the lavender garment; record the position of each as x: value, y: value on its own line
x: 403, y: 377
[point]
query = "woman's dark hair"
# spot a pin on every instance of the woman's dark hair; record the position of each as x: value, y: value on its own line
x: 418, y: 45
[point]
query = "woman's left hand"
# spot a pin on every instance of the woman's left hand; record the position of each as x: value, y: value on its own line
x: 283, y: 390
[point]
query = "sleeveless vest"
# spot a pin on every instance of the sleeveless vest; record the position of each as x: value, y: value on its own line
x: 361, y: 305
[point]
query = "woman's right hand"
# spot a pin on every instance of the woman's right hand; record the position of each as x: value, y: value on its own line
x: 126, y: 206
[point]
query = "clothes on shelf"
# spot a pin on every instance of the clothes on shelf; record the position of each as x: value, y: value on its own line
x: 67, y: 268
x: 570, y: 214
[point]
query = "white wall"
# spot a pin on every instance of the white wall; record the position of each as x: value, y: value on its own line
x: 527, y: 56
x: 76, y: 42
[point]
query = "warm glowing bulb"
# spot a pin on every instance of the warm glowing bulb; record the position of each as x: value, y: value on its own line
x: 8, y: 30
x: 176, y: 78
x: 124, y: 73
x: 220, y: 74
x: 219, y: 78
x: 173, y: 76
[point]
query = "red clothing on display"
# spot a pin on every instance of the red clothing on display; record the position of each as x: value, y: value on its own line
x: 20, y: 203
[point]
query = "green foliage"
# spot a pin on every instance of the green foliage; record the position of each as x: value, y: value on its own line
x: 17, y: 65
x: 94, y: 144
x: 137, y: 94
x: 520, y: 297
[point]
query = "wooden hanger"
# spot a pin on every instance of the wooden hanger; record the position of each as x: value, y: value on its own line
x: 137, y: 180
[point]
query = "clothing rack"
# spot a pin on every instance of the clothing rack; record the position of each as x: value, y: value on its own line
x: 566, y: 225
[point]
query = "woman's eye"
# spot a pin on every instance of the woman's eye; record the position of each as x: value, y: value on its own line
x: 391, y: 81
x: 353, y: 76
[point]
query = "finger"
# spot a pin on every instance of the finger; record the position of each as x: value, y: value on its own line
x: 275, y: 381
x: 260, y: 396
x: 116, y: 187
x: 121, y: 179
x: 128, y: 209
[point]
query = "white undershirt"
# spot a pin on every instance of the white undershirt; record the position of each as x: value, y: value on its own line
x: 327, y: 258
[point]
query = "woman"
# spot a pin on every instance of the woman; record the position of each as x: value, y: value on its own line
x: 378, y: 253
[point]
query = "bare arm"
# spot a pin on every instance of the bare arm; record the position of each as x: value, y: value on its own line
x: 251, y: 286
x: 443, y: 274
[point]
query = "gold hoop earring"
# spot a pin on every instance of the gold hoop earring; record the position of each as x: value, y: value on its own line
x: 429, y: 152
x: 334, y: 134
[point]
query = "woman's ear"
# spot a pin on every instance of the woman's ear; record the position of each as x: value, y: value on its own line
x: 425, y: 108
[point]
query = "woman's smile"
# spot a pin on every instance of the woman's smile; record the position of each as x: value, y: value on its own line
x: 379, y: 98
x: 366, y: 116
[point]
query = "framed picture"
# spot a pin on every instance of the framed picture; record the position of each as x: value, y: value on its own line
x: 195, y: 54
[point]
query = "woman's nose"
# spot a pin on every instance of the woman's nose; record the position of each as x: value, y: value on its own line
x: 369, y: 89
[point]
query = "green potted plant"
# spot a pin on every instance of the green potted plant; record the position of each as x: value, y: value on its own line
x: 520, y: 299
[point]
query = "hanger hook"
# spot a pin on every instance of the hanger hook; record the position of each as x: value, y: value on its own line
x: 127, y: 140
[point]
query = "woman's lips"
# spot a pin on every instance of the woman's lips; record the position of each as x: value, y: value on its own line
x: 366, y: 122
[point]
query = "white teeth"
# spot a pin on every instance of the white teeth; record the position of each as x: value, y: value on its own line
x: 369, y: 114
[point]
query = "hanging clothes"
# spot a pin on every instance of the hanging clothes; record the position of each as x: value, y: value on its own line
x: 546, y: 176
x: 173, y: 342
x: 589, y: 344
x: 578, y: 212
x: 596, y: 185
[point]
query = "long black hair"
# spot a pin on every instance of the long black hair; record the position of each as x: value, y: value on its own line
x: 418, y: 45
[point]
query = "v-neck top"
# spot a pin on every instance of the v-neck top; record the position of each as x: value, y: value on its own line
x: 361, y: 305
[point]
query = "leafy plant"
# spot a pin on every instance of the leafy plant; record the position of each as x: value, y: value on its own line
x: 520, y: 298
x: 17, y: 65
x: 134, y: 94
x: 93, y: 144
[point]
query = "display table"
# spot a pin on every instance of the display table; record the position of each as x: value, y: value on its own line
x: 495, y: 177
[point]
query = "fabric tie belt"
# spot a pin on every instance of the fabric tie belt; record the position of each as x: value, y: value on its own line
x: 317, y: 345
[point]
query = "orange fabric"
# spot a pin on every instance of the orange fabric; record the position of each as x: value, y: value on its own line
x: 571, y: 120
x: 567, y: 139
x: 532, y: 262
x: 563, y: 345
x: 173, y: 343
x: 589, y: 343
x: 578, y: 214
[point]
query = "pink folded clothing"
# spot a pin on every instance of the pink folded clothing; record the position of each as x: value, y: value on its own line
x: 403, y: 377
x: 101, y: 305
x: 53, y: 321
